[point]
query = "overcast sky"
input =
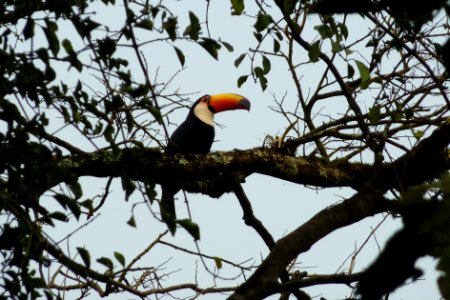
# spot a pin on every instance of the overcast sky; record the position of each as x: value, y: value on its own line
x: 280, y: 205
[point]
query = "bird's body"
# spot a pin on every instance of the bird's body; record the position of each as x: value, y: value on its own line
x: 195, y: 136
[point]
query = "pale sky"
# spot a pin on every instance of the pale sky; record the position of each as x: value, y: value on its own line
x: 280, y: 205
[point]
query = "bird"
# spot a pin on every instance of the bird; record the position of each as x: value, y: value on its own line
x: 195, y: 136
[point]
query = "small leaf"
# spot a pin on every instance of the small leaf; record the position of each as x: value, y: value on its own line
x: 227, y: 46
x: 191, y: 227
x: 288, y: 6
x: 418, y: 134
x: 263, y: 82
x: 156, y: 113
x: 52, y: 38
x: 211, y: 46
x: 145, y: 24
x: 106, y: 262
x: 237, y: 7
x: 262, y: 21
x: 238, y: 60
x: 258, y: 36
x: 364, y: 74
x: 336, y: 47
x: 343, y: 30
x: 180, y: 55
x: 132, y: 221
x: 241, y: 80
x: 276, y: 46
x: 325, y: 31
x: 75, y: 188
x: 258, y: 72
x: 120, y: 258
x: 193, y: 29
x: 170, y: 26
x: 85, y: 256
x: 57, y: 215
x: 28, y: 30
x: 89, y: 205
x: 350, y: 71
x: 374, y: 114
x: 150, y: 191
x: 266, y: 64
x: 314, y: 51
x: 218, y: 262
x: 128, y: 186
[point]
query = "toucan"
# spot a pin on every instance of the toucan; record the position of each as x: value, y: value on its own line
x: 195, y: 136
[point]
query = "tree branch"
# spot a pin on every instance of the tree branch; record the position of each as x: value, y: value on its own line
x: 367, y: 202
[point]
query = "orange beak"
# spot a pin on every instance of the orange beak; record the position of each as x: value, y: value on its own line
x: 223, y: 102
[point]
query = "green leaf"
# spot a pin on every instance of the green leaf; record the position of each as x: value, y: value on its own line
x: 132, y: 221
x: 52, y: 38
x: 374, y: 114
x: 241, y: 80
x: 75, y: 188
x: 128, y: 186
x: 314, y: 51
x: 237, y: 7
x: 238, y: 60
x: 336, y: 47
x: 106, y: 262
x: 218, y: 262
x: 180, y: 55
x: 130, y: 121
x: 58, y: 215
x: 418, y: 134
x: 276, y: 46
x: 211, y: 46
x: 120, y: 258
x: 74, y: 208
x: 364, y: 74
x: 343, y: 29
x: 266, y: 64
x: 193, y: 29
x: 350, y: 71
x: 263, y: 82
x: 85, y: 256
x: 289, y: 6
x: 258, y: 72
x: 89, y: 205
x: 262, y: 21
x: 150, y: 191
x: 67, y: 45
x: 170, y: 26
x: 145, y: 24
x: 191, y: 227
x: 227, y: 46
x: 325, y: 31
x: 258, y: 36
x: 28, y: 30
x: 156, y: 113
x: 108, y: 133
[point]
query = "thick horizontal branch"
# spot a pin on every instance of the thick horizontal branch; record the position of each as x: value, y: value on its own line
x: 204, y: 173
x: 195, y: 171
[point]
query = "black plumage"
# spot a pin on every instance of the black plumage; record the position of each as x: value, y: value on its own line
x: 195, y: 136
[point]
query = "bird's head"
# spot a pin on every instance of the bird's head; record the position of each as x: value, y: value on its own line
x: 208, y: 105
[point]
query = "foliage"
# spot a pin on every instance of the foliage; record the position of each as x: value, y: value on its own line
x: 387, y: 138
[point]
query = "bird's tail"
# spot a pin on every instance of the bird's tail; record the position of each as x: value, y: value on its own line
x: 167, y: 208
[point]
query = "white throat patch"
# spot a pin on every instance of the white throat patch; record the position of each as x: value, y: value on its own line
x: 202, y: 112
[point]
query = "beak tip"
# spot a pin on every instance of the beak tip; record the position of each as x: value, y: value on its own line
x: 245, y: 104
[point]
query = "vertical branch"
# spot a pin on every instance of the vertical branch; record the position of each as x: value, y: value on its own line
x: 251, y: 220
